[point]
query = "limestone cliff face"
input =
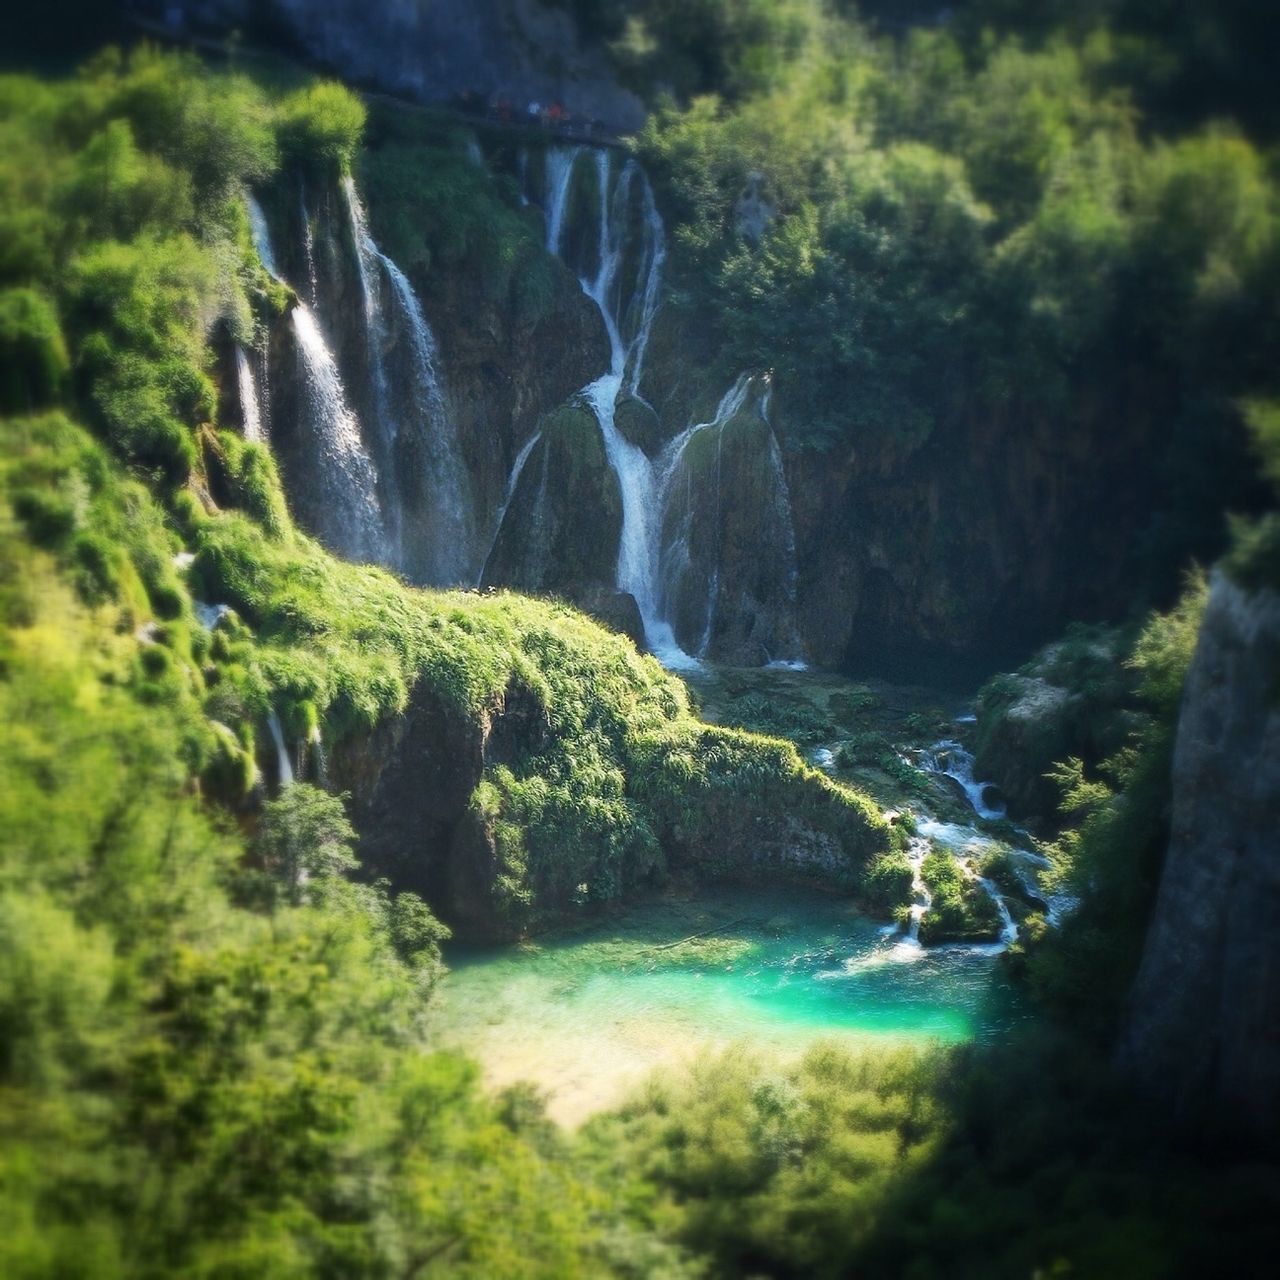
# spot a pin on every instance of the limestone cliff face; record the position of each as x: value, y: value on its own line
x: 561, y: 529
x: 1204, y: 1022
x: 520, y: 49
x: 728, y: 548
x: 498, y: 375
x: 980, y: 541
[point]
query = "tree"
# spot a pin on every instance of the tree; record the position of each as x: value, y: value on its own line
x: 305, y: 832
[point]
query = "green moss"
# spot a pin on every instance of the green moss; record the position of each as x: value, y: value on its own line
x: 960, y: 909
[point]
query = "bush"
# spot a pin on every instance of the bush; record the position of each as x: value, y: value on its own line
x: 320, y: 127
x: 33, y: 356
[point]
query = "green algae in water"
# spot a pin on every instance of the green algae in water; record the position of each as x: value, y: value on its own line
x: 585, y: 1015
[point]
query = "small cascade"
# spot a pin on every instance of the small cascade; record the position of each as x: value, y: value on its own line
x: 250, y: 411
x: 308, y: 247
x: 1008, y: 929
x: 921, y: 898
x: 560, y: 161
x: 446, y: 485
x: 284, y: 769
x: 949, y: 759
x: 514, y: 479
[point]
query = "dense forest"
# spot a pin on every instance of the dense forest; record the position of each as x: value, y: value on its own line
x: 261, y: 761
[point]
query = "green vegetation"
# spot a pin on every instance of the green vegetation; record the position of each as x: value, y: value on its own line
x: 211, y: 1016
x: 433, y: 207
x: 1117, y: 828
x: 969, y: 224
x: 960, y: 910
x: 212, y: 1054
x: 774, y: 1172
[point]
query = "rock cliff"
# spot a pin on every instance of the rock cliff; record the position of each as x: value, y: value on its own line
x: 520, y: 50
x: 1204, y: 1021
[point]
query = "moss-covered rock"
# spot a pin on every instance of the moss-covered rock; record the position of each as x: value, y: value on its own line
x: 1072, y: 699
x: 728, y: 547
x: 561, y: 529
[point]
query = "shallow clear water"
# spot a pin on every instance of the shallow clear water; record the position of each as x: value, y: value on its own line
x: 585, y: 1016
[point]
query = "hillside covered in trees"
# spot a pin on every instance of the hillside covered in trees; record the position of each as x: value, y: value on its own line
x: 434, y: 530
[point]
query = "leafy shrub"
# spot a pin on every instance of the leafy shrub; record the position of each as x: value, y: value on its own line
x: 33, y: 356
x: 320, y: 126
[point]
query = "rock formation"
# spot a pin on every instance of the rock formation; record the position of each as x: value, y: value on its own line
x: 1204, y: 1021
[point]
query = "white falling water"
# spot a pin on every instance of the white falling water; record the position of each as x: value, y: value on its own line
x: 560, y: 161
x: 447, y: 480
x: 637, y: 478
x: 315, y: 755
x: 261, y: 236
x: 308, y: 247
x: 352, y: 515
x: 951, y: 760
x: 676, y: 553
x: 514, y: 479
x: 250, y: 411
x: 284, y: 768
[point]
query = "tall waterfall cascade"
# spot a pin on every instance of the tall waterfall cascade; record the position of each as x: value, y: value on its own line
x: 441, y: 497
x: 389, y: 481
x: 622, y: 276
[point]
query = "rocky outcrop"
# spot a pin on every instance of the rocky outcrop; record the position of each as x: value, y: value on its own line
x: 956, y: 551
x: 1203, y: 1027
x: 728, y: 550
x: 520, y: 50
x: 429, y: 788
x: 560, y: 532
x: 1073, y: 699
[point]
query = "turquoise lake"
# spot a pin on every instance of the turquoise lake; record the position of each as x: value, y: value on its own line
x: 585, y: 1015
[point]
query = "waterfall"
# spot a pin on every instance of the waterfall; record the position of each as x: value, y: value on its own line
x: 284, y: 769
x: 261, y: 236
x: 316, y: 752
x: 250, y: 413
x: 308, y: 246
x: 638, y: 480
x: 376, y: 339
x: 514, y: 479
x: 351, y: 516
x: 619, y: 265
x: 949, y: 759
x: 676, y: 553
x: 447, y: 561
x: 559, y: 163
